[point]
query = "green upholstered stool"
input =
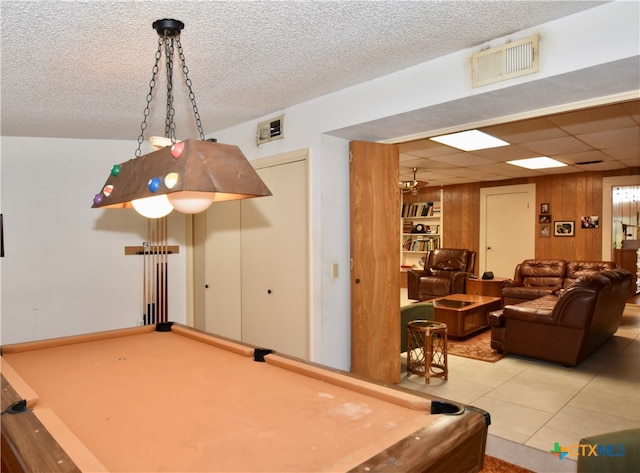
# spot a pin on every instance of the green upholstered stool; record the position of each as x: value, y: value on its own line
x: 611, y: 460
x: 417, y: 311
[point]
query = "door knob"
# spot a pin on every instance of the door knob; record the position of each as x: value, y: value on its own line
x: 268, y: 291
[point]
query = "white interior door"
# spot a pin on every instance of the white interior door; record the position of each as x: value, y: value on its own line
x: 507, y: 228
x: 222, y: 295
x: 274, y: 262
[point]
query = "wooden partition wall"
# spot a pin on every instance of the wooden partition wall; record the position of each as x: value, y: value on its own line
x: 570, y: 196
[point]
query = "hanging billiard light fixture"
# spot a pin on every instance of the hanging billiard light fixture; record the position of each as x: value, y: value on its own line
x: 187, y: 176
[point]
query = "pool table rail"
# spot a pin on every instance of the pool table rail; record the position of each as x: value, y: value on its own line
x: 26, y: 444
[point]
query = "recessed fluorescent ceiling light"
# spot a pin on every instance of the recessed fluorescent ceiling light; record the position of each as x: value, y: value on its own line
x: 542, y: 162
x: 470, y: 140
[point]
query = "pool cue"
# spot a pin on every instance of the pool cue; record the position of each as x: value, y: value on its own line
x: 164, y: 270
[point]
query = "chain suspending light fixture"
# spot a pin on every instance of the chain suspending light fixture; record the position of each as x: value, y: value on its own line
x: 184, y: 175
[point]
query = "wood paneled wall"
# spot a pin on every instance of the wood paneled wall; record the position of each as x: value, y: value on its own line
x: 570, y: 196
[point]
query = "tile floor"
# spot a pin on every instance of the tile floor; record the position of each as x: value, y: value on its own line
x: 534, y: 404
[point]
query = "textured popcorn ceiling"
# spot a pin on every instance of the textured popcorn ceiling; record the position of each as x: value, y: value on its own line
x: 81, y: 69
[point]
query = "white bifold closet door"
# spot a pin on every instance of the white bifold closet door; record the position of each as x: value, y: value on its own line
x: 256, y: 268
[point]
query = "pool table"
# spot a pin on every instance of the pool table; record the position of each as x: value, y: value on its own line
x: 167, y: 397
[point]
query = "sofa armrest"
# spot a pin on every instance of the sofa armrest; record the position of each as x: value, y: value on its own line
x: 575, y: 304
x: 496, y: 318
x: 459, y: 282
x: 413, y: 283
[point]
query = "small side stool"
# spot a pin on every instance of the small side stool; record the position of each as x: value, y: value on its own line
x: 427, y: 349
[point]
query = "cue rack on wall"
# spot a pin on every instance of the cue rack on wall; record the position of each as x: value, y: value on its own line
x: 155, y: 280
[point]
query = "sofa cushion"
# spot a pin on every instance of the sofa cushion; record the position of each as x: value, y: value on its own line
x: 449, y: 260
x: 576, y: 269
x: 548, y: 273
x: 529, y: 292
x: 440, y: 284
x: 537, y: 310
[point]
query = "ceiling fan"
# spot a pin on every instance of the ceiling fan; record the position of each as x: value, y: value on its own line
x: 412, y: 186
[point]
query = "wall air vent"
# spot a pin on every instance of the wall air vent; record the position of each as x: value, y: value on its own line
x: 270, y: 130
x: 505, y: 62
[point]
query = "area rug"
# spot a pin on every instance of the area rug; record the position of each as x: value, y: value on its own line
x: 495, y: 465
x: 477, y: 347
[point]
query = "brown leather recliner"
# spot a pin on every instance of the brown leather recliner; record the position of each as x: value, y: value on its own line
x: 445, y: 272
x: 566, y: 328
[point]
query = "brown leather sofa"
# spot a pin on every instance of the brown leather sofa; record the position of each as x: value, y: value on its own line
x: 445, y: 272
x: 534, y: 278
x: 565, y: 328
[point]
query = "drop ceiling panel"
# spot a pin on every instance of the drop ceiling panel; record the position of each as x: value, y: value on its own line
x: 424, y: 164
x: 507, y: 170
x: 463, y: 159
x: 563, y: 170
x: 611, y: 138
x: 604, y: 166
x: 594, y: 120
x: 505, y: 153
x: 556, y: 146
x: 586, y: 156
x: 624, y: 153
x: 536, y: 129
x: 614, y: 142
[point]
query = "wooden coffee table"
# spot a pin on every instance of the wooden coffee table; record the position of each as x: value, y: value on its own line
x: 464, y: 314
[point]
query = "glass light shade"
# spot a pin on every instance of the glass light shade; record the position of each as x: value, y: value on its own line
x: 153, y: 207
x: 191, y: 202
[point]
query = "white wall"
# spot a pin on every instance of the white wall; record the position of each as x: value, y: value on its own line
x: 64, y: 270
x: 444, y: 79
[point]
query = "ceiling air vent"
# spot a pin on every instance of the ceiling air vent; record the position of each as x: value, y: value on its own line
x: 505, y: 62
x: 270, y: 130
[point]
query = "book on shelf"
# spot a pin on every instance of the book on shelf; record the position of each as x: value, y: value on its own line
x: 426, y: 244
x: 420, y: 209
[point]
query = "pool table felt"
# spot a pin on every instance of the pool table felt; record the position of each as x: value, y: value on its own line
x: 158, y: 401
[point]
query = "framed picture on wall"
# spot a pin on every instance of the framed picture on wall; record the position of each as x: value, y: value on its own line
x: 564, y: 228
x: 544, y: 231
x: 589, y: 222
x: 544, y: 208
x: 544, y: 218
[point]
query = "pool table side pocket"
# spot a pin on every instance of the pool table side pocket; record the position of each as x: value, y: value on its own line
x: 234, y: 347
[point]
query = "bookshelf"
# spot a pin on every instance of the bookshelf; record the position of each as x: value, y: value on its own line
x: 421, y: 230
